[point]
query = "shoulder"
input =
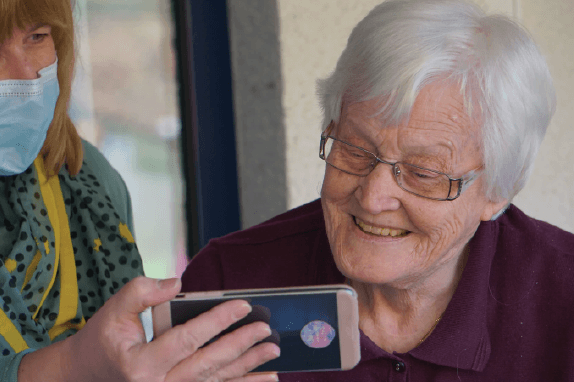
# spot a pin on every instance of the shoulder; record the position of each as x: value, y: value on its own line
x: 100, y: 165
x: 530, y: 288
x: 111, y: 181
x: 533, y: 262
x: 283, y: 251
x: 535, y: 235
x: 547, y: 253
x: 298, y: 221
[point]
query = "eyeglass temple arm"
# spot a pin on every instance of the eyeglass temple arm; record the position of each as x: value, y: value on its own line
x: 470, y: 178
x: 463, y: 183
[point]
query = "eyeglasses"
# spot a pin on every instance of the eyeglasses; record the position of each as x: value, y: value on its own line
x: 430, y: 184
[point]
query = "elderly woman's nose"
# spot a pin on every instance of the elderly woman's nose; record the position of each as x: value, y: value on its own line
x: 379, y: 191
x: 16, y: 65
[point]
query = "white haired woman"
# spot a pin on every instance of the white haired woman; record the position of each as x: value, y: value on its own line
x: 433, y: 117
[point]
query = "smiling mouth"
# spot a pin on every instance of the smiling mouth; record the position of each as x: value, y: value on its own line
x: 379, y: 231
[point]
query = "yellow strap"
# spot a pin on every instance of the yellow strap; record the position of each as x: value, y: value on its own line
x: 11, y: 334
x: 53, y: 216
x: 31, y: 269
x: 68, y: 275
x: 54, y: 201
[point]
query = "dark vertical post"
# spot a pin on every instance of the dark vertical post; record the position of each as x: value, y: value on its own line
x: 206, y: 104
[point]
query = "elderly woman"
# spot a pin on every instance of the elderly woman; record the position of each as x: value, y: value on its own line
x: 67, y: 249
x: 432, y: 120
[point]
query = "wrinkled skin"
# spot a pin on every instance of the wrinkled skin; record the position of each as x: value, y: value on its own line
x: 404, y: 274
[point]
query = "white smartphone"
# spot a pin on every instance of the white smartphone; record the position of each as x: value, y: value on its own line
x: 317, y: 328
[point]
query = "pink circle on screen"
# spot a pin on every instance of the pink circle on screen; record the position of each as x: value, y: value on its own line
x: 317, y: 334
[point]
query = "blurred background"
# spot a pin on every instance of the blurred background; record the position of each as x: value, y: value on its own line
x: 125, y: 102
x: 146, y: 65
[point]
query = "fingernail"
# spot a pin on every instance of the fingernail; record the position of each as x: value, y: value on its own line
x: 266, y: 330
x: 276, y: 351
x: 168, y: 283
x: 243, y: 310
x: 274, y: 377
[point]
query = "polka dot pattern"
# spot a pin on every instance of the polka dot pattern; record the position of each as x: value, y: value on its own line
x: 106, y: 258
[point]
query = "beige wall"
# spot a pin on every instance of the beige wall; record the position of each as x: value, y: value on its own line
x: 549, y: 195
x: 312, y: 36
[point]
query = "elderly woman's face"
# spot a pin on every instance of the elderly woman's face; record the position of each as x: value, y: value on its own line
x: 27, y: 52
x: 363, y: 213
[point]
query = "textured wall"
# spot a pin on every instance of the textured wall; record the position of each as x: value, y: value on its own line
x: 313, y: 35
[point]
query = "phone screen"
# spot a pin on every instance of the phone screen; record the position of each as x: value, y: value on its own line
x: 305, y: 325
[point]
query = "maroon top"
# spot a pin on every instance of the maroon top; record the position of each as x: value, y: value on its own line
x: 510, y: 319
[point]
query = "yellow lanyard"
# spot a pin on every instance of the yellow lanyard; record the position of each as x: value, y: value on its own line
x: 65, y: 260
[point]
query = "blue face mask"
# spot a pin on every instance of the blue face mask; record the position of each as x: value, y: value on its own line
x: 26, y: 111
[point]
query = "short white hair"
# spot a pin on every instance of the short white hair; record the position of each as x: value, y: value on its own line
x: 403, y: 45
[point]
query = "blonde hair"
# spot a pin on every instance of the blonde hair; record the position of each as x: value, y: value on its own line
x: 63, y: 144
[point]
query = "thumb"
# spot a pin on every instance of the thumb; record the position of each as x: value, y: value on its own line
x: 143, y: 292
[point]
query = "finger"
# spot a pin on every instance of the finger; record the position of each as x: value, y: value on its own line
x: 182, y: 341
x: 250, y: 360
x: 143, y: 292
x: 223, y: 352
x: 257, y: 377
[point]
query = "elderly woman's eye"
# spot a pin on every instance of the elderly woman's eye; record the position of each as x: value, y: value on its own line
x: 359, y: 154
x: 419, y: 174
x: 424, y: 174
x: 355, y: 153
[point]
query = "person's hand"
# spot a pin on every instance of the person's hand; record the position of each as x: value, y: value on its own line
x: 112, y: 346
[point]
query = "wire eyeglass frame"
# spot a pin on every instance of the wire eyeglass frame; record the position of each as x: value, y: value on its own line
x: 464, y: 181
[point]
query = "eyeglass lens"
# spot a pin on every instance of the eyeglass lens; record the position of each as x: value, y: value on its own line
x: 357, y: 161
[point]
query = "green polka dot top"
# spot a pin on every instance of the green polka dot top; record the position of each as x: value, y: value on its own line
x: 66, y: 248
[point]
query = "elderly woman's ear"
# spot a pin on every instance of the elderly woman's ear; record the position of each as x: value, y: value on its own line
x: 494, y: 209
